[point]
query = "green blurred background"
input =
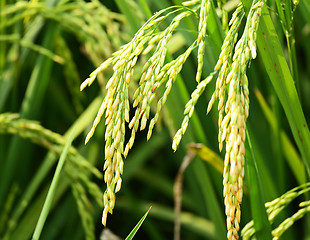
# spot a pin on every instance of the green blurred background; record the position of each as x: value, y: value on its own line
x: 48, y: 48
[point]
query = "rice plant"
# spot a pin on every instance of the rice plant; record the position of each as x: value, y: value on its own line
x: 160, y: 67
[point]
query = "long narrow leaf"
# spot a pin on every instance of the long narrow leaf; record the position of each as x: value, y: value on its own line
x: 136, y: 228
x: 289, y: 150
x: 52, y: 190
x: 270, y: 50
x: 259, y: 214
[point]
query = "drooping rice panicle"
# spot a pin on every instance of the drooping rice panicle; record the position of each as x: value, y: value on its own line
x: 116, y: 105
x: 234, y: 111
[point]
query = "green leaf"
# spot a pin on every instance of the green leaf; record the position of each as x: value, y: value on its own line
x: 259, y: 214
x: 52, y: 190
x: 273, y: 58
x: 136, y: 228
x: 289, y: 151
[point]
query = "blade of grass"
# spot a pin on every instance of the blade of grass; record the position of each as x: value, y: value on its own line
x: 270, y: 189
x: 289, y: 150
x: 136, y: 228
x: 201, y: 226
x: 52, y: 190
x: 259, y: 214
x: 282, y: 81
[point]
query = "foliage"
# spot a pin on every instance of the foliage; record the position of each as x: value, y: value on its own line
x: 171, y: 66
